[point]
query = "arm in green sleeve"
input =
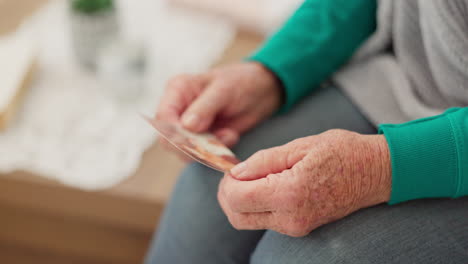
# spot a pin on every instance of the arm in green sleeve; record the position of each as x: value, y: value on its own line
x: 320, y: 37
x: 429, y: 156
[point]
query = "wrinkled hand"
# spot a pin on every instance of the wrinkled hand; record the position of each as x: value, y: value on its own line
x: 225, y: 101
x: 308, y: 182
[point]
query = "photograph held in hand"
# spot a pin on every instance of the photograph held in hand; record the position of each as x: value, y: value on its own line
x: 202, y: 147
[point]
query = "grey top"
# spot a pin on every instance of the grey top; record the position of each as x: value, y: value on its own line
x: 416, y: 63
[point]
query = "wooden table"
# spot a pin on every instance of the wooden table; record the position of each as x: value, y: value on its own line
x: 42, y: 221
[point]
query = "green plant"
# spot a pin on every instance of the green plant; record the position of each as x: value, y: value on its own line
x: 92, y: 6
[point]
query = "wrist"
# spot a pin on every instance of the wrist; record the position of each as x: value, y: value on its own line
x: 377, y: 178
x: 383, y: 171
x: 273, y: 83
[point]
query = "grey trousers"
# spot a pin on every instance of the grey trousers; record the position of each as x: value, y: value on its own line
x: 195, y: 230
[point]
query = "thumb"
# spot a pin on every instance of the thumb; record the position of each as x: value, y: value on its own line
x: 201, y: 113
x: 268, y: 161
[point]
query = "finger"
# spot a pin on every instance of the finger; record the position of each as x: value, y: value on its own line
x: 201, y: 113
x: 179, y: 93
x: 253, y: 221
x: 249, y: 196
x: 172, y: 103
x: 245, y: 221
x: 228, y: 136
x: 170, y: 108
x: 269, y: 161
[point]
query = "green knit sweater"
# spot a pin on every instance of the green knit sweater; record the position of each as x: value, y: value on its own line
x: 429, y: 156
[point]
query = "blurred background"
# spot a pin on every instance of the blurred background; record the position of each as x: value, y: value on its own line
x: 82, y: 179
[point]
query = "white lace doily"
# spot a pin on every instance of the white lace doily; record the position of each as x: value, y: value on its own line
x: 69, y: 128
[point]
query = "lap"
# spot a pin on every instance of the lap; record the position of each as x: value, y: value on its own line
x: 423, y: 231
x: 195, y: 230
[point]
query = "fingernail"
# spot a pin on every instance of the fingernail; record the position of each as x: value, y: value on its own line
x: 190, y: 120
x: 239, y: 170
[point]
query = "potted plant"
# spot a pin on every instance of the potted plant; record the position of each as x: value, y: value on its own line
x: 93, y: 24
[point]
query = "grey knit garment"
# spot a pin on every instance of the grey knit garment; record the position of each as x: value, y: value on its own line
x: 415, y: 64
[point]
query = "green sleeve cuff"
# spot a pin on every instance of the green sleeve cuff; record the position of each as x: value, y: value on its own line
x: 320, y: 37
x: 429, y: 156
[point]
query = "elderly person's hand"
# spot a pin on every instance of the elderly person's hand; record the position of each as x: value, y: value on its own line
x: 225, y: 101
x: 308, y: 182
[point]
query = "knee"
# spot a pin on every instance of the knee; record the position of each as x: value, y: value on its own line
x: 314, y: 248
x: 186, y: 233
x: 416, y: 232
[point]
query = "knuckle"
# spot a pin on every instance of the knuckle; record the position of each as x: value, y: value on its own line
x: 260, y: 156
x: 234, y: 223
x: 239, y: 202
x: 335, y: 132
x: 222, y: 202
x: 296, y: 230
x: 265, y: 154
x: 296, y: 142
x: 228, y: 197
x: 233, y: 201
x: 220, y: 194
x: 248, y: 195
x: 340, y: 133
x: 292, y: 197
x: 234, y: 206
x: 276, y: 150
x: 237, y: 222
x: 223, y: 197
x: 261, y: 153
x: 299, y: 234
